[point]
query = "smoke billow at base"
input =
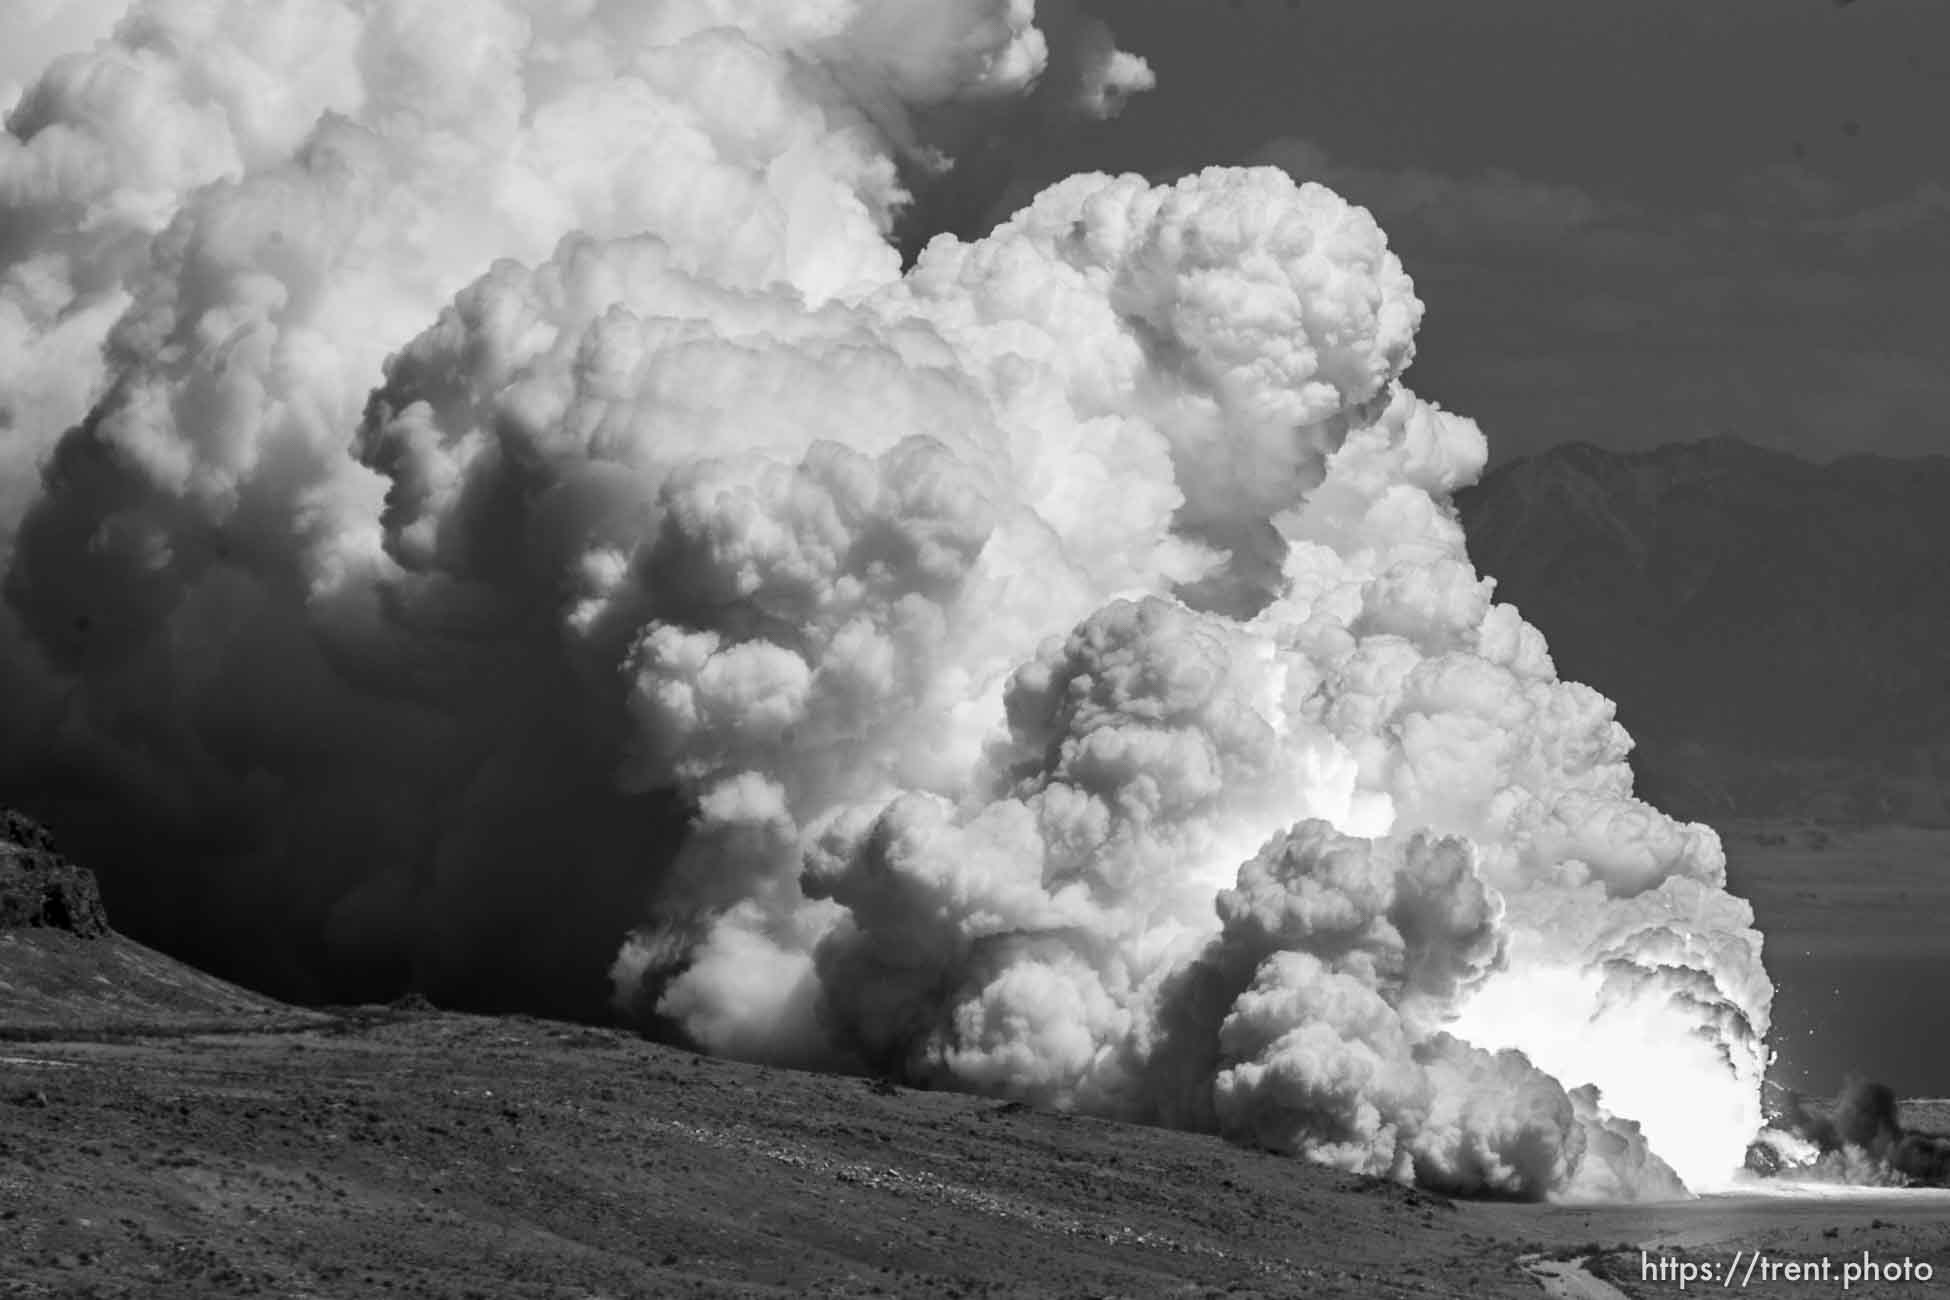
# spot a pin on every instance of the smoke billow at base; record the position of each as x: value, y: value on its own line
x: 1859, y: 1138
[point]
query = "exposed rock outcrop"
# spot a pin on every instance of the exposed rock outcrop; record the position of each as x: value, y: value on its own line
x: 39, y: 887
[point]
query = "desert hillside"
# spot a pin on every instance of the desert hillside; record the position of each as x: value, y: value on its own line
x: 402, y: 1152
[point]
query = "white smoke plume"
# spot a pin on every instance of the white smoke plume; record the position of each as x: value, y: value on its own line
x: 40, y: 31
x: 478, y: 476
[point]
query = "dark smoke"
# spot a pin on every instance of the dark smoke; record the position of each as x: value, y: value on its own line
x: 1859, y: 1137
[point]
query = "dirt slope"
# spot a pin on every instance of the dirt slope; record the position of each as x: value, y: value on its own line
x: 65, y: 972
x: 456, y: 1156
x: 406, y: 1154
x: 54, y: 984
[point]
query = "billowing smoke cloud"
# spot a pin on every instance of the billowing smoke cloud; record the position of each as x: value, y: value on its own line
x: 498, y: 485
x: 1860, y: 1139
x: 40, y: 31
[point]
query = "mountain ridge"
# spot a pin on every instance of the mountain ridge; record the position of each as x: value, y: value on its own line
x: 1756, y: 617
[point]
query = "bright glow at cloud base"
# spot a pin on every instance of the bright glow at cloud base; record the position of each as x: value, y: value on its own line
x: 498, y: 486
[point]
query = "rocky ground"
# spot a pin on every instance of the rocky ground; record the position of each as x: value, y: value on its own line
x: 163, y: 1134
x: 436, y: 1155
x: 414, y: 1153
x: 39, y: 889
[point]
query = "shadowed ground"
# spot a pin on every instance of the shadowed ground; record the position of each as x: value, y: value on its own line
x: 428, y: 1154
x: 408, y: 1153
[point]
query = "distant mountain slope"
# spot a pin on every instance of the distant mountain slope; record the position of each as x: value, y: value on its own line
x: 1756, y: 617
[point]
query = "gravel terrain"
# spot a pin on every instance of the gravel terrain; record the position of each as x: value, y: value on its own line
x: 411, y: 1153
x: 404, y: 1153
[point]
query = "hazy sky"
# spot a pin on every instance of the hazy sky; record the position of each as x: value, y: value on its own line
x: 1633, y: 221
